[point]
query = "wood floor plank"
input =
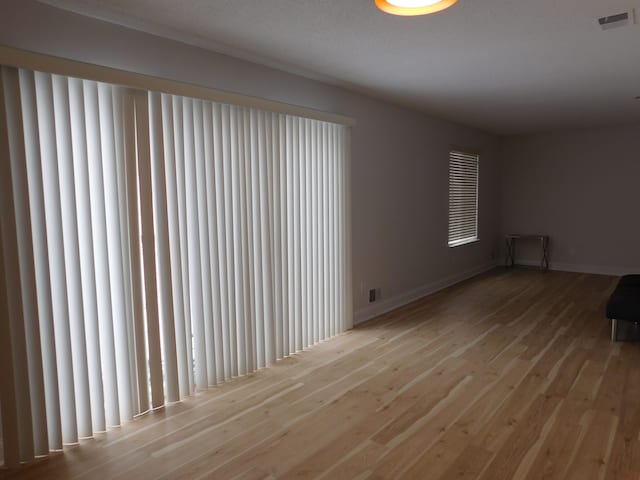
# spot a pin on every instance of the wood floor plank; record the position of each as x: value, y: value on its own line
x: 510, y: 375
x: 470, y: 463
x: 625, y: 454
x: 507, y: 460
x: 556, y: 452
x: 594, y: 451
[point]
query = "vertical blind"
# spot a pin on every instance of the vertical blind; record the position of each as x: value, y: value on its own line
x: 463, y: 197
x: 153, y: 245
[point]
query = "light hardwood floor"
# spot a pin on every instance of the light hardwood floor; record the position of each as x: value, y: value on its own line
x: 510, y: 375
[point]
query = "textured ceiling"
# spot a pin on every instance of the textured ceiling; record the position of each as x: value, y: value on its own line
x: 505, y: 66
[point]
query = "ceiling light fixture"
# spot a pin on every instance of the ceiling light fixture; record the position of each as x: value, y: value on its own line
x: 413, y: 7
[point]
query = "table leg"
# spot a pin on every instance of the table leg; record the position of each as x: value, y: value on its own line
x: 506, y: 252
x: 510, y: 252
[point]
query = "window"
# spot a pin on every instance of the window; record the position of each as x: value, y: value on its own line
x: 463, y: 197
x: 152, y: 245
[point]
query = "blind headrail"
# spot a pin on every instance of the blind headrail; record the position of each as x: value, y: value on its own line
x: 62, y: 66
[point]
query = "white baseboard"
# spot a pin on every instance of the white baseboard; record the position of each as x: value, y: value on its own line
x: 378, y: 308
x: 582, y: 268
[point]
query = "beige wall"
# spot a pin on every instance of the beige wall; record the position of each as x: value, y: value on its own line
x: 580, y: 187
x: 399, y: 156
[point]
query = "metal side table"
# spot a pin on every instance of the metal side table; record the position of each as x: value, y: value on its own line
x: 510, y: 252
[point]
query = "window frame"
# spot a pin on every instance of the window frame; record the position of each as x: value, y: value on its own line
x: 457, y: 157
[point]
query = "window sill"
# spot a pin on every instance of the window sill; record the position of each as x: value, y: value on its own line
x: 466, y: 241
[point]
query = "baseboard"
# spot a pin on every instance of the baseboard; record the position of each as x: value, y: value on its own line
x: 384, y: 306
x: 583, y: 268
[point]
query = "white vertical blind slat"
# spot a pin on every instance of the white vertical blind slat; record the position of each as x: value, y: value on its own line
x: 346, y: 152
x: 114, y: 247
x: 308, y: 157
x: 229, y: 133
x: 238, y: 323
x: 265, y: 240
x: 314, y: 230
x: 322, y: 334
x: 173, y: 222
x: 233, y: 232
x: 53, y: 215
x: 193, y: 235
x: 284, y: 234
x: 123, y: 121
x: 99, y: 229
x: 204, y: 330
x: 8, y: 402
x: 16, y: 381
x: 85, y: 242
x: 247, y: 258
x: 163, y: 257
x: 278, y: 265
x: 333, y: 255
x: 147, y: 330
x: 256, y: 240
x: 139, y: 366
x: 214, y: 345
x: 221, y: 140
x: 291, y: 295
x: 148, y: 234
x: 339, y: 230
x: 18, y: 151
x: 72, y: 255
x: 325, y: 231
x: 297, y: 234
x: 41, y: 257
x: 222, y: 337
x: 181, y: 194
x: 302, y: 199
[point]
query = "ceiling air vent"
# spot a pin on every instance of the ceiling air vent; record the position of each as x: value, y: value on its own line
x: 618, y: 20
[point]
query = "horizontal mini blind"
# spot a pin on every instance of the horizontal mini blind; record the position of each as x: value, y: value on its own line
x: 153, y: 245
x: 463, y: 197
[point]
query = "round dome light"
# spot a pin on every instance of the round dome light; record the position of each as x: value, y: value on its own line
x: 413, y: 7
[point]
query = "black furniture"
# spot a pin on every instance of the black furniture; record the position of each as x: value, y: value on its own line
x: 624, y: 303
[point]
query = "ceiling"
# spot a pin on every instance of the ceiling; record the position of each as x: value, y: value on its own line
x: 505, y: 66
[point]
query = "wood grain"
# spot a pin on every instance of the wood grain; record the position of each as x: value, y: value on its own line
x: 510, y: 375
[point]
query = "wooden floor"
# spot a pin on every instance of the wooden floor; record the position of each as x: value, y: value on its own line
x: 511, y: 375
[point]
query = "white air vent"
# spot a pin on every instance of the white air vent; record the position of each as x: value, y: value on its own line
x: 617, y: 20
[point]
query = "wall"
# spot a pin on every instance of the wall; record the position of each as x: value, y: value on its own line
x: 399, y: 156
x: 581, y: 187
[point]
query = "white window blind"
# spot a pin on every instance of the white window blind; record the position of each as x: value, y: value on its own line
x: 153, y: 245
x: 463, y: 197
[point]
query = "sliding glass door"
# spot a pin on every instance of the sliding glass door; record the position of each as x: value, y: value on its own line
x: 153, y: 245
